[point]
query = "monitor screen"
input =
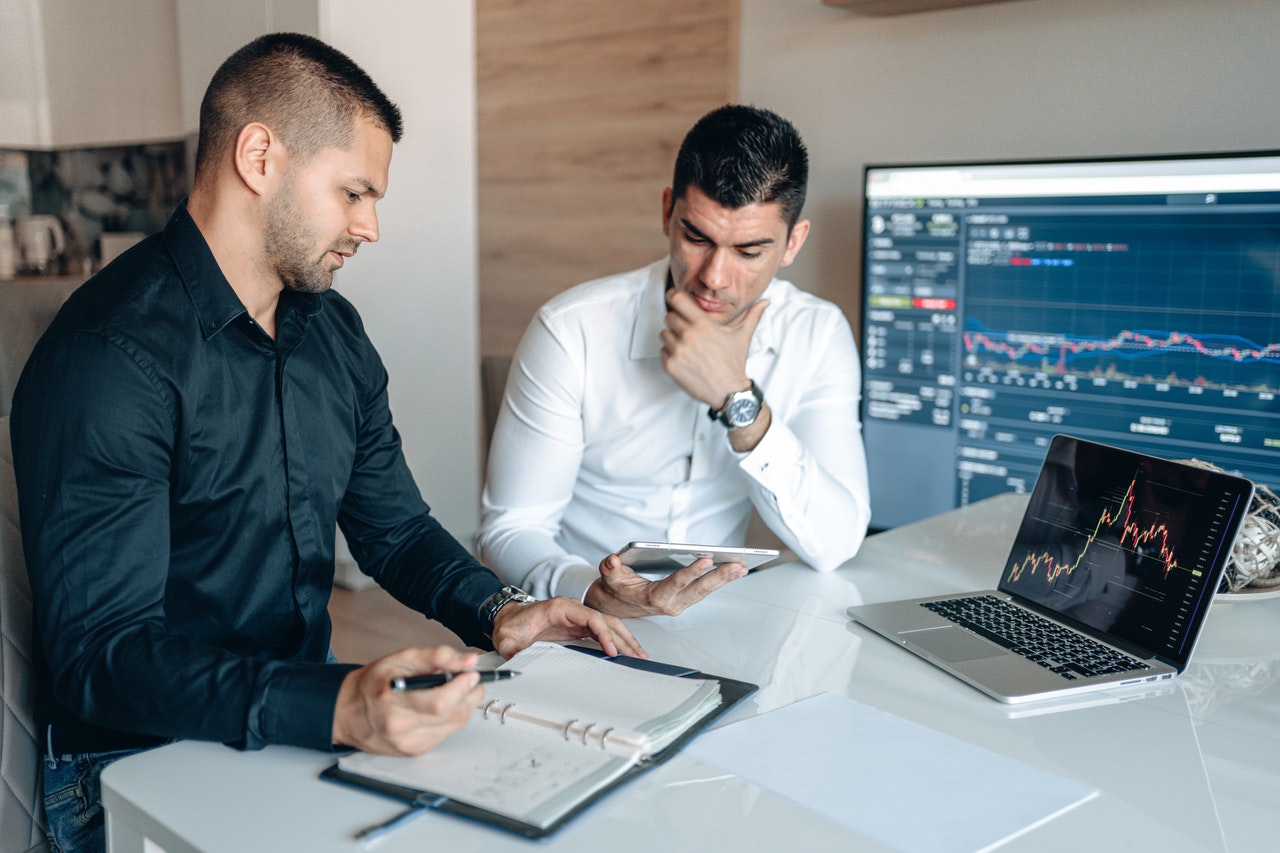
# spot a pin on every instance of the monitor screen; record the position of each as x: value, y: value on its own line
x: 1134, y: 302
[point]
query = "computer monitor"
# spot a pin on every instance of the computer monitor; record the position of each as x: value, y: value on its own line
x: 1135, y: 302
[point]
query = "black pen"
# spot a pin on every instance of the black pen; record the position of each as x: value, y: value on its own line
x: 438, y: 679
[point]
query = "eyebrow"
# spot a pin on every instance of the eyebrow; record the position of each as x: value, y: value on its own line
x: 750, y: 244
x: 368, y: 187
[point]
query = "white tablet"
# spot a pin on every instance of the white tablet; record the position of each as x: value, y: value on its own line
x: 670, y: 556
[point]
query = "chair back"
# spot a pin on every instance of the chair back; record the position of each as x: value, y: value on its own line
x: 29, y: 307
x: 21, y: 798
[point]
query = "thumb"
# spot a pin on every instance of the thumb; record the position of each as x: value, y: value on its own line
x: 612, y: 566
x: 751, y: 317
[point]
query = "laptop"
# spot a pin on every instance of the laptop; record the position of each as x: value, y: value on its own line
x: 1113, y: 569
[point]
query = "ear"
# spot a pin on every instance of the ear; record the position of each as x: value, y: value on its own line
x: 666, y: 211
x: 258, y: 154
x: 799, y: 232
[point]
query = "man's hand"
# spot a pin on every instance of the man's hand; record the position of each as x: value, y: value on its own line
x: 622, y: 592
x: 370, y: 716
x: 517, y: 626
x: 708, y: 360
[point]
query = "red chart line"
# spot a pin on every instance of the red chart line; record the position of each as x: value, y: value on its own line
x: 1131, y: 533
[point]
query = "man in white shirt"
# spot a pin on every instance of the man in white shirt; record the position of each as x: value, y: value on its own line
x: 666, y: 402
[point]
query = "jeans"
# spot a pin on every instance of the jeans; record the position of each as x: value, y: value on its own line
x: 73, y: 800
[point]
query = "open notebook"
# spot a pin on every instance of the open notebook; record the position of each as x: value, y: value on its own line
x: 548, y: 743
x: 1108, y: 582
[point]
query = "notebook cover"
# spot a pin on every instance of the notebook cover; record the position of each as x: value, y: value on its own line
x: 732, y: 692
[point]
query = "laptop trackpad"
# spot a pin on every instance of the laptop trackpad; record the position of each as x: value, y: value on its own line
x: 952, y: 644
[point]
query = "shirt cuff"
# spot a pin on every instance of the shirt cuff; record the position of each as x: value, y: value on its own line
x: 574, y: 581
x: 297, y: 707
x: 776, y: 449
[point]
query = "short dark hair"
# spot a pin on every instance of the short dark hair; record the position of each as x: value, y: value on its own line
x: 307, y: 92
x: 740, y: 155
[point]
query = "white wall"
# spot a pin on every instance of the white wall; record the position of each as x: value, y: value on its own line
x: 1024, y: 79
x: 417, y: 288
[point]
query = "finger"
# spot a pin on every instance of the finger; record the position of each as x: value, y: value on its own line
x: 675, y: 316
x: 718, y: 577
x: 628, y: 645
x: 684, y: 590
x: 463, y: 690
x: 428, y: 719
x: 673, y: 296
x: 682, y: 578
x: 613, y: 570
x: 674, y: 328
x: 751, y: 317
x: 614, y: 637
x: 683, y: 305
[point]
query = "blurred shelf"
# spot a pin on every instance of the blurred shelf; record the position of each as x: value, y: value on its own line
x: 904, y: 7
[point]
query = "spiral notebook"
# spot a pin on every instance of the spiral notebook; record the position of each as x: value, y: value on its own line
x: 550, y: 742
x: 1108, y: 582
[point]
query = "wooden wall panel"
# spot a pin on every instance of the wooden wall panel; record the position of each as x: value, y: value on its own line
x: 581, y: 106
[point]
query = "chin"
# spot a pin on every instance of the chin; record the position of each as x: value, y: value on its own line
x: 311, y: 285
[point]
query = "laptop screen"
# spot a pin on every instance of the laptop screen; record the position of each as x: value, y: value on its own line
x: 1128, y: 544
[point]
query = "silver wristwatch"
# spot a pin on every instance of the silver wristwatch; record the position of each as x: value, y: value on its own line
x: 741, y: 408
x: 500, y: 599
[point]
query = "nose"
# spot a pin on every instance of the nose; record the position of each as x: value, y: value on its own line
x: 715, y: 272
x: 365, y: 225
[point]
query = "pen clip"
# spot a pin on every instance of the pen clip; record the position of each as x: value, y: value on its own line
x: 430, y: 801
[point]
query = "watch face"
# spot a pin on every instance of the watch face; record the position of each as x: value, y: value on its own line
x: 743, y: 412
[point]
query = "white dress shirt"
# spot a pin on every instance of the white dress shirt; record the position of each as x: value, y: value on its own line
x: 596, y: 446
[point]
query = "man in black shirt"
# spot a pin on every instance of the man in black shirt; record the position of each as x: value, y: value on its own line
x: 191, y: 429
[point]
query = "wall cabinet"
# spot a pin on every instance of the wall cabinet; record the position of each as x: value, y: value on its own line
x: 83, y: 74
x: 207, y: 33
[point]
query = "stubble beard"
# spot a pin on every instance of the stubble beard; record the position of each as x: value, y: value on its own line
x: 287, y: 245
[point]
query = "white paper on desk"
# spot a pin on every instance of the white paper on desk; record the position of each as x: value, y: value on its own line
x: 888, y: 778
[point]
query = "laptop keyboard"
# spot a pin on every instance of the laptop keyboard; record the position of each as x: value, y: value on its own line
x: 1035, y: 638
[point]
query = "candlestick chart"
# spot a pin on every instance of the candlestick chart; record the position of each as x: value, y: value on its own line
x: 1120, y: 524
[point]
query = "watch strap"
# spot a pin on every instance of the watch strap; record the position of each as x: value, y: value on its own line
x: 490, y: 606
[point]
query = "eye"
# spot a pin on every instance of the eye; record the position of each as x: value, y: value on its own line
x: 352, y: 196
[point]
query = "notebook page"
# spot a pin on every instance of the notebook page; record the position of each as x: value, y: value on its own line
x: 589, y: 699
x: 533, y: 750
x: 519, y: 771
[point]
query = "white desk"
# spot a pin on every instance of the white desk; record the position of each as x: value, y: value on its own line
x: 1211, y: 783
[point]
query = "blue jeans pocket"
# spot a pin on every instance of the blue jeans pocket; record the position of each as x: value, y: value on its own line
x: 73, y: 800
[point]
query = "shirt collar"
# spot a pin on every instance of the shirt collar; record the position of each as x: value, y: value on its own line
x: 651, y: 313
x: 215, y: 302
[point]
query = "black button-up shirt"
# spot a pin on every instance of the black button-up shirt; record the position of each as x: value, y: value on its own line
x: 180, y: 479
